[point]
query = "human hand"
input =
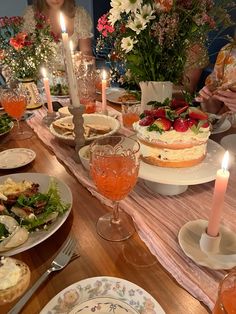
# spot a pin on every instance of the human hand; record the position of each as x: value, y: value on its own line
x: 228, y: 97
x: 204, y: 94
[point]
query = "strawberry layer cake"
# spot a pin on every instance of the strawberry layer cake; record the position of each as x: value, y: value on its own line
x: 173, y: 135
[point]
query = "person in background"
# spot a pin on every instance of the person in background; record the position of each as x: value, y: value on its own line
x: 219, y: 93
x: 78, y: 23
x: 197, y: 60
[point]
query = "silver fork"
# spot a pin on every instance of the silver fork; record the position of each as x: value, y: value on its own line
x: 60, y: 261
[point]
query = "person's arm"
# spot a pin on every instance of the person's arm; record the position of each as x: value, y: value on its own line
x: 83, y: 26
x: 228, y: 97
x: 208, y: 102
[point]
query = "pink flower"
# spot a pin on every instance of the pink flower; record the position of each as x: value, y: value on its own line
x: 104, y: 26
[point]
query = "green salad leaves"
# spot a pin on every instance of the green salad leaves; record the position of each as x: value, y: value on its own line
x: 39, y: 209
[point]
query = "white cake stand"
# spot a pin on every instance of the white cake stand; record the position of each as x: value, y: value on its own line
x: 173, y: 181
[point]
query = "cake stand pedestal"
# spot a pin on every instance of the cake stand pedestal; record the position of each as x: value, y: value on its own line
x: 174, y: 181
x: 166, y: 189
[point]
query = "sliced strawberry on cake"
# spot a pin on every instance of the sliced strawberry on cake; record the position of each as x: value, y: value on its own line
x: 174, y: 135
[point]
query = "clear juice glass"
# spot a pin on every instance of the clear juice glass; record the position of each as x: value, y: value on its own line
x: 130, y: 113
x: 226, y: 302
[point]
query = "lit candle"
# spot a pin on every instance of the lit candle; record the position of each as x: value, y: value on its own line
x: 104, y: 96
x: 221, y: 182
x: 72, y: 51
x: 47, y: 90
x: 73, y: 87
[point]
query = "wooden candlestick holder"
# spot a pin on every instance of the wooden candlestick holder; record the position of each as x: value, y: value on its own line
x: 78, y: 120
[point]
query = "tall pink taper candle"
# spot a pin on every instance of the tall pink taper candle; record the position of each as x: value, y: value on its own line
x: 221, y: 183
x: 104, y: 96
x: 73, y: 86
x: 47, y: 90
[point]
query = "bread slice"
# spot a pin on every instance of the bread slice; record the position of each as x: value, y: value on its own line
x: 98, y: 128
x: 11, y: 292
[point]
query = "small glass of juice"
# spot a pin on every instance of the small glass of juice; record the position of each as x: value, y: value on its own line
x: 226, y: 302
x: 130, y: 113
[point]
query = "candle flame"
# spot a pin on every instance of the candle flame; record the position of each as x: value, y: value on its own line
x: 62, y: 23
x: 104, y: 74
x: 44, y: 72
x: 225, y: 161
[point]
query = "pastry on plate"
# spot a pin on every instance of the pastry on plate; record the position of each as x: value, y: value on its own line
x: 14, y: 279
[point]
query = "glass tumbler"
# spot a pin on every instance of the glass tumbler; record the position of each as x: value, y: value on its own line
x: 86, y: 76
x: 226, y: 302
x: 130, y: 113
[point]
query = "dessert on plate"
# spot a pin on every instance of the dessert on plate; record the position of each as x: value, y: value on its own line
x: 14, y: 279
x: 173, y: 134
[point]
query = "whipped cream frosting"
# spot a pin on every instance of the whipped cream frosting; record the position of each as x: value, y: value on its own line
x: 172, y: 136
x: 9, y: 273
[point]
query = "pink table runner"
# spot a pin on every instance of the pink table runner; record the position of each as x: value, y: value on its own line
x: 159, y: 218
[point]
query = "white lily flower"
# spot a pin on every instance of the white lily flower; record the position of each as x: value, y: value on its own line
x: 146, y: 13
x: 118, y: 4
x: 127, y: 44
x: 138, y: 24
x: 131, y: 5
x: 114, y: 16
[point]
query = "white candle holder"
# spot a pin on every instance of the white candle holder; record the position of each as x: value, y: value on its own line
x: 213, y: 252
x: 49, y: 118
x: 78, y: 122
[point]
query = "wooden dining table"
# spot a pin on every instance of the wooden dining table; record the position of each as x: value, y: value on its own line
x: 96, y: 256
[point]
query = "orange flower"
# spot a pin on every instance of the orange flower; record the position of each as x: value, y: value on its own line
x: 18, y: 42
x: 164, y: 5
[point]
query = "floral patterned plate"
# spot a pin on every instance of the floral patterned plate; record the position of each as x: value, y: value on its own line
x: 101, y: 295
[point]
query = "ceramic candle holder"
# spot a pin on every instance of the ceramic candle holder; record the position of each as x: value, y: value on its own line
x: 209, y: 244
x: 212, y: 252
x: 49, y: 118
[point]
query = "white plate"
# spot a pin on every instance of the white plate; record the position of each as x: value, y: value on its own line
x: 226, y: 125
x: 114, y: 93
x: 16, y: 157
x: 229, y: 143
x: 110, y: 90
x: 189, y: 239
x: 39, y: 236
x: 91, y: 118
x: 102, y: 295
x: 201, y: 173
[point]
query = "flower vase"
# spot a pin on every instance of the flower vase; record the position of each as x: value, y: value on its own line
x: 154, y: 91
x: 29, y: 88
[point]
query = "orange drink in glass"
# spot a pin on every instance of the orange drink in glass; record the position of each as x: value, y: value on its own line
x: 15, y: 107
x: 14, y: 103
x: 226, y: 302
x: 130, y: 113
x: 114, y: 165
x: 114, y: 183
